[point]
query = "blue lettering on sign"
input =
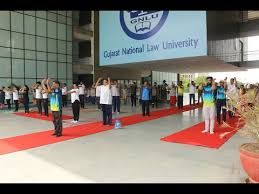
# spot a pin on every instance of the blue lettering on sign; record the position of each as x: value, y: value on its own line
x: 141, y: 25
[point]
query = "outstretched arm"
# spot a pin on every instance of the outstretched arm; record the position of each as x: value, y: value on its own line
x: 96, y: 84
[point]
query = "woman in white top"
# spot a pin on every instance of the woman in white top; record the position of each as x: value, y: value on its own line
x: 8, y: 93
x: 64, y: 96
x: 125, y: 94
x: 45, y: 99
x: 98, y: 91
x: 16, y: 98
x: 115, y: 90
x: 75, y: 102
x: 106, y: 100
x: 38, y: 95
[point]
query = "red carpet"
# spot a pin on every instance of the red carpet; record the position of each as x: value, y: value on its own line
x: 35, y: 115
x: 193, y: 135
x: 23, y: 142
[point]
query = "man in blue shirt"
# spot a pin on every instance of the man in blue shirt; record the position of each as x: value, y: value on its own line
x: 145, y: 98
x: 221, y: 100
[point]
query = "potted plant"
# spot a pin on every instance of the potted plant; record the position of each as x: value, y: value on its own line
x: 246, y: 108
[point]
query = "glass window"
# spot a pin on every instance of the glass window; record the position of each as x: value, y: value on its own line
x: 62, y: 13
x: 41, y: 56
x: 18, y: 68
x: 69, y: 48
x: 17, y: 22
x: 69, y: 13
x: 4, y: 38
x: 17, y: 53
x: 52, y: 16
x: 41, y: 44
x: 41, y: 69
x: 62, y: 19
x: 18, y: 82
x: 62, y: 31
x: 30, y: 54
x: 30, y: 13
x: 5, y: 20
x: 5, y: 66
x: 62, y: 70
x: 52, y: 45
x: 30, y: 69
x: 17, y: 40
x: 52, y: 70
x: 69, y: 82
x: 29, y: 83
x: 52, y: 29
x: 41, y: 27
x: 41, y: 14
x: 69, y: 59
x: 52, y: 57
x: 30, y: 42
x: 5, y: 52
x: 69, y: 71
x: 69, y: 33
x: 62, y: 58
x: 69, y: 21
x: 29, y: 23
x: 5, y: 82
x: 62, y: 47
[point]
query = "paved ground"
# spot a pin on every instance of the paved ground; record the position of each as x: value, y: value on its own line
x: 133, y: 154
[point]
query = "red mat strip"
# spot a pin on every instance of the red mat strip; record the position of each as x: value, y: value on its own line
x: 23, y: 142
x: 35, y: 115
x: 193, y: 135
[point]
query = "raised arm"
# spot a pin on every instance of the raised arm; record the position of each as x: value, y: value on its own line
x: 235, y: 81
x: 48, y: 86
x: 109, y: 82
x: 96, y: 84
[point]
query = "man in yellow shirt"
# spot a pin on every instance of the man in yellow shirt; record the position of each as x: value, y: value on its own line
x: 180, y: 89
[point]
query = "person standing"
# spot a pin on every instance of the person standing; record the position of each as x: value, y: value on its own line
x: 64, y: 96
x: 16, y: 98
x: 75, y: 100
x: 232, y: 90
x: 200, y: 99
x: 133, y: 94
x: 221, y: 101
x: 45, y: 99
x: 38, y: 95
x: 192, y: 93
x: 97, y: 94
x: 145, y: 98
x: 93, y: 94
x: 106, y: 100
x: 8, y: 94
x: 154, y: 95
x: 115, y: 90
x: 125, y: 95
x: 172, y: 95
x: 25, y: 92
x: 208, y: 89
x: 82, y: 94
x: 2, y: 98
x: 55, y: 105
x: 180, y: 89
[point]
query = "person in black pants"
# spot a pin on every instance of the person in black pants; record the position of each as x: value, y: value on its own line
x: 145, y: 96
x: 106, y: 100
x: 221, y: 101
x: 64, y: 97
x: 45, y: 100
x: 8, y: 93
x: 115, y: 90
x: 16, y: 98
x: 133, y: 94
x: 25, y: 92
x: 81, y: 88
x: 180, y: 90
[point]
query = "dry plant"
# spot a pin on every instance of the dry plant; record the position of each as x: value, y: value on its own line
x: 246, y: 108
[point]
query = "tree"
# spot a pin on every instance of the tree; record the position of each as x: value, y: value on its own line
x: 199, y: 80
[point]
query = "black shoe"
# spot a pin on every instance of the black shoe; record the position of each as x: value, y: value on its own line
x: 54, y: 134
x: 104, y: 123
x: 59, y: 135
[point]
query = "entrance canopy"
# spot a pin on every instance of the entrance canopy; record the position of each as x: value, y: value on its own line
x: 184, y: 65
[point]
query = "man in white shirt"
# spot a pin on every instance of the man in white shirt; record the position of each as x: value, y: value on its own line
x: 106, y: 100
x: 8, y: 94
x: 75, y: 102
x: 38, y: 95
x: 115, y: 90
x: 154, y: 95
x: 16, y: 98
x: 192, y: 92
x: 64, y: 96
x: 93, y: 93
x: 82, y: 94
x: 232, y: 89
x: 97, y: 93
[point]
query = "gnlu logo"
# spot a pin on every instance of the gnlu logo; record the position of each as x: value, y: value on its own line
x: 141, y: 25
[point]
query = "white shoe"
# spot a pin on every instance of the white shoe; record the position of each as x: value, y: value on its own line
x: 73, y: 121
x: 205, y: 131
x: 211, y: 132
